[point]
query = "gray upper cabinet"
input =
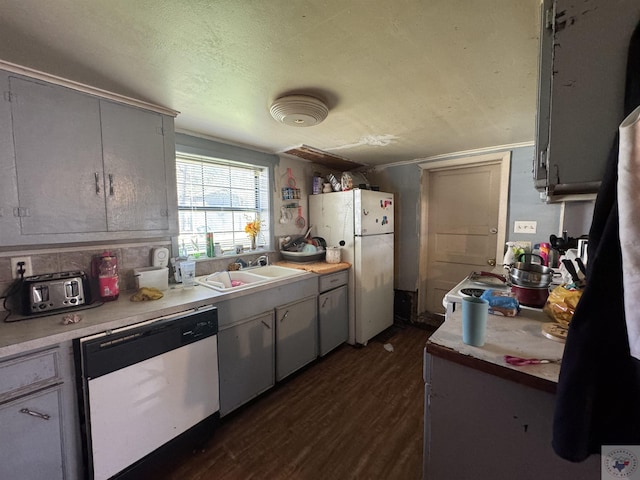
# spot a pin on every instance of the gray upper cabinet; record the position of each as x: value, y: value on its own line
x: 133, y: 149
x: 8, y: 186
x: 58, y: 158
x: 583, y: 57
x: 77, y: 167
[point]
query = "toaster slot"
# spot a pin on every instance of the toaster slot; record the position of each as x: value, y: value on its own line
x: 71, y: 288
x: 40, y: 294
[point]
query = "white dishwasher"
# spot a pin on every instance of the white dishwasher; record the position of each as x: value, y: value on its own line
x: 147, y: 386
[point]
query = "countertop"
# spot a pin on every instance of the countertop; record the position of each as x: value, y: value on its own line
x: 519, y: 336
x: 321, y: 268
x: 41, y: 332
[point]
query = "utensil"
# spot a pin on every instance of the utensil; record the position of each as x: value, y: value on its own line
x: 291, y: 180
x: 284, y: 217
x: 306, y: 235
x: 568, y: 264
x: 300, y: 221
x: 518, y: 361
x: 581, y: 266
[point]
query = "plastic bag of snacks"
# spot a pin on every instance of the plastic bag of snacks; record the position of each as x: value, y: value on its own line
x: 562, y: 302
x: 501, y: 303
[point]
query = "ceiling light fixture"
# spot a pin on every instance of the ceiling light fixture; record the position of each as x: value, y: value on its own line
x: 299, y: 110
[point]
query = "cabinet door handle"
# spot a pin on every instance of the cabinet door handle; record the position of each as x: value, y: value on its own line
x: 266, y: 324
x: 97, y: 177
x: 111, y: 184
x: 33, y: 413
x: 284, y: 316
x: 325, y: 302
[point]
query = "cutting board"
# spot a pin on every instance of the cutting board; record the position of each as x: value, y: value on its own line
x: 316, y: 267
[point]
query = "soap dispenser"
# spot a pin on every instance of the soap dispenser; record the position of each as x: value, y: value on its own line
x: 509, y: 256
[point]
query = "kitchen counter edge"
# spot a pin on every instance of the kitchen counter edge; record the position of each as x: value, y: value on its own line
x: 519, y: 336
x: 41, y: 332
x: 321, y: 268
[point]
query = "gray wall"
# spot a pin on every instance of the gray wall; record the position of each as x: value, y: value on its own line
x: 524, y: 204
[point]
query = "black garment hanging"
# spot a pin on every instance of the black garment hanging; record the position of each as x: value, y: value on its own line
x: 598, y: 396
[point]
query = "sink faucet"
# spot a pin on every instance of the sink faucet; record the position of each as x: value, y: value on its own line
x: 262, y: 261
x: 238, y: 264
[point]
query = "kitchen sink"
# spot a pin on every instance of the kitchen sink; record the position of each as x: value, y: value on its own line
x: 275, y: 271
x: 241, y: 279
x: 232, y: 281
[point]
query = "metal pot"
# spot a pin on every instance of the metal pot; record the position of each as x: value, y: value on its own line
x: 528, y: 296
x: 531, y: 296
x: 530, y: 275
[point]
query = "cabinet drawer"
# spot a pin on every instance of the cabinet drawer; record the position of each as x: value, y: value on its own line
x: 32, y: 444
x: 28, y: 373
x: 333, y: 280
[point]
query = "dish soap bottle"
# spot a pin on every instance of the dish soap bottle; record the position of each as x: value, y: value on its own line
x: 509, y: 256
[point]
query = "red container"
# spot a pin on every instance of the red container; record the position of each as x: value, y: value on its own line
x: 105, y: 269
x: 531, y: 296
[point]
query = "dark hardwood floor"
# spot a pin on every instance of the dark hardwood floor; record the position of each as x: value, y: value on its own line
x: 355, y: 414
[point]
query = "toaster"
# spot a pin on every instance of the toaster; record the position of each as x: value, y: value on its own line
x: 54, y: 291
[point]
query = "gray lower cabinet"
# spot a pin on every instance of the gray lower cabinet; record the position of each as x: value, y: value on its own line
x: 333, y: 319
x: 31, y: 433
x: 246, y: 360
x: 263, y: 337
x: 479, y: 425
x: 39, y: 433
x: 296, y: 336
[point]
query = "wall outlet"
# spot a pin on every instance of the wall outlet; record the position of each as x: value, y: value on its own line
x: 15, y: 267
x: 521, y: 226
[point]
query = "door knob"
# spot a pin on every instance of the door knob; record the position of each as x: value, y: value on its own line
x: 492, y: 262
x: 493, y: 230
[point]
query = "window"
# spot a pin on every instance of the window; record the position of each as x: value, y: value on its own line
x: 220, y: 196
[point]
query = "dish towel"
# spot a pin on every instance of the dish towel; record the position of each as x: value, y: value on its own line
x: 628, y: 211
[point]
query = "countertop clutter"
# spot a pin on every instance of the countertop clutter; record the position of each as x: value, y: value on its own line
x: 41, y: 332
x: 519, y: 336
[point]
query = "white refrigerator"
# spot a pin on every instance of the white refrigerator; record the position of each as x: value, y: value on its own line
x: 361, y: 222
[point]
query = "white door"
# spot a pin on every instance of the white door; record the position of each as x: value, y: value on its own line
x: 464, y: 226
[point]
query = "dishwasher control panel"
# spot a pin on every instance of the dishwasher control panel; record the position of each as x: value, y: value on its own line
x: 200, y: 328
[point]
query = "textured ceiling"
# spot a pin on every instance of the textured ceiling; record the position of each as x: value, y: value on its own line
x: 403, y: 79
